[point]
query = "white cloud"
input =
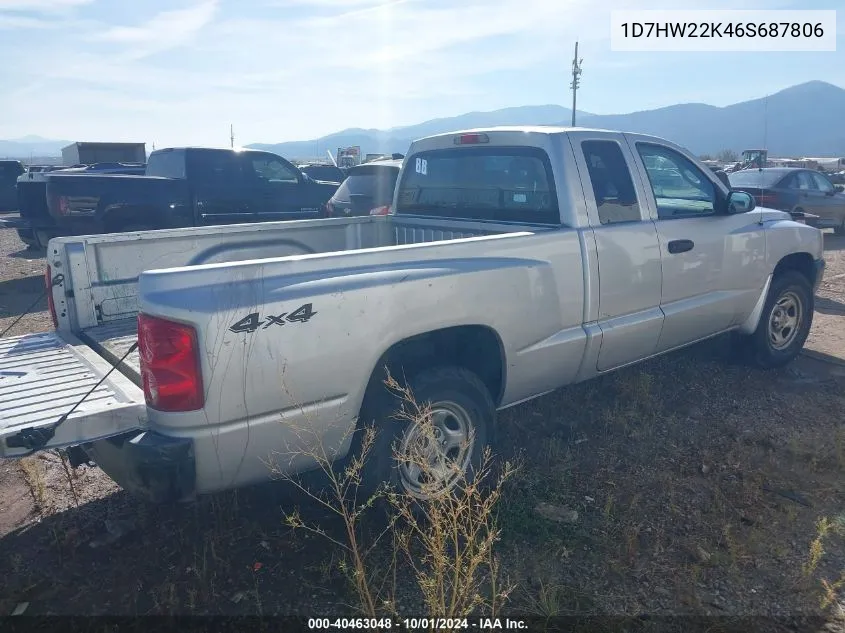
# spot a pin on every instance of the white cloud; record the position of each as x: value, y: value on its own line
x: 20, y: 22
x: 41, y: 6
x: 322, y: 66
x: 166, y: 30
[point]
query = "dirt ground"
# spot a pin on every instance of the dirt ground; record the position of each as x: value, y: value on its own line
x: 692, y: 484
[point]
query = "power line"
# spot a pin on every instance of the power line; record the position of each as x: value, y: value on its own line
x: 576, y: 80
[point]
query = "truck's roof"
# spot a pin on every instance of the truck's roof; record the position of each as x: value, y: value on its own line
x: 102, y: 144
x: 539, y: 130
x: 200, y: 148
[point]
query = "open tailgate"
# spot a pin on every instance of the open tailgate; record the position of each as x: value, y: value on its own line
x: 42, y: 376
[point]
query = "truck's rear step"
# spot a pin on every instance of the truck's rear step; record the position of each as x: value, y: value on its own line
x: 112, y: 340
x: 42, y: 376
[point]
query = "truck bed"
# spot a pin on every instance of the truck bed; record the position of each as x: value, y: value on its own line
x: 112, y: 340
x: 102, y: 271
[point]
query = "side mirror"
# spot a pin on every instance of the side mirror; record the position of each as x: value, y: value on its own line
x: 740, y: 202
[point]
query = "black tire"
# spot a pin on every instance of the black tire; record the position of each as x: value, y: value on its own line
x: 788, y: 288
x: 840, y: 230
x: 447, y: 386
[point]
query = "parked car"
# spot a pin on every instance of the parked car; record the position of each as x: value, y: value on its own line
x: 367, y: 190
x: 795, y: 190
x: 34, y: 224
x: 186, y: 187
x: 9, y: 172
x: 517, y: 260
x: 324, y: 173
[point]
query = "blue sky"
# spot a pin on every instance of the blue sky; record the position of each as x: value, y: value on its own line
x: 174, y: 72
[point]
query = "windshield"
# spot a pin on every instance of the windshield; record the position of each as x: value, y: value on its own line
x: 326, y: 173
x: 507, y: 184
x: 755, y: 178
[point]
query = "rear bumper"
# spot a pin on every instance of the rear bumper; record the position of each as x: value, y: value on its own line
x: 146, y: 464
x: 819, y: 265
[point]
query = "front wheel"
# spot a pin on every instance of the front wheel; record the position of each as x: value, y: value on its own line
x: 428, y: 456
x: 786, y: 321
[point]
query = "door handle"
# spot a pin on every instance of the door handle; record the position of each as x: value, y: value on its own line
x: 680, y: 246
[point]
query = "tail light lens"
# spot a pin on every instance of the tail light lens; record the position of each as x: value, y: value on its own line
x: 170, y: 366
x: 48, y: 283
x: 60, y: 204
x: 380, y: 210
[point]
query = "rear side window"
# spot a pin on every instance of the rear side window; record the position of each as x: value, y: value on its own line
x: 377, y: 183
x: 166, y: 164
x: 216, y: 167
x: 506, y: 184
x: 613, y: 188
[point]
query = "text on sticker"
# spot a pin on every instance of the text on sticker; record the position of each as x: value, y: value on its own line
x: 422, y: 166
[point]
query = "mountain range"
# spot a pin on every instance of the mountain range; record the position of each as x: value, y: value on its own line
x: 803, y: 120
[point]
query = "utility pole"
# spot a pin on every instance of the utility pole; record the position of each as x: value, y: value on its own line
x: 232, y: 136
x: 576, y: 80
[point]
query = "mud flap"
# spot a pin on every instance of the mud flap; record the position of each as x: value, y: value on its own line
x: 42, y: 376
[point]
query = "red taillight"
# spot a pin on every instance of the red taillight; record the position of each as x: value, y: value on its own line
x: 471, y: 139
x: 385, y: 210
x: 48, y: 282
x: 60, y: 204
x: 170, y: 367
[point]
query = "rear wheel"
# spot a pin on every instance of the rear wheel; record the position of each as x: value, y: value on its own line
x: 785, y: 322
x: 428, y: 457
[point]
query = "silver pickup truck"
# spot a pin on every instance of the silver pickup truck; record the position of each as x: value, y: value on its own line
x: 516, y: 260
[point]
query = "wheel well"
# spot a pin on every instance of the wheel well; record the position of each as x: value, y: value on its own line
x: 473, y: 347
x: 800, y: 262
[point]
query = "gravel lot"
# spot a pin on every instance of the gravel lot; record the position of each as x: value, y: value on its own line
x: 692, y: 484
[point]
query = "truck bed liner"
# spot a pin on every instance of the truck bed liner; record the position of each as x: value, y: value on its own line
x: 112, y: 340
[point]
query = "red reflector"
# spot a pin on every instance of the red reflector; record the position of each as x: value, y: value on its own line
x: 471, y: 139
x: 61, y: 205
x: 170, y: 367
x: 48, y: 283
x: 380, y: 211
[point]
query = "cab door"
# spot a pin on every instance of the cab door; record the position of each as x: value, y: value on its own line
x: 627, y: 246
x: 713, y: 263
x: 279, y: 188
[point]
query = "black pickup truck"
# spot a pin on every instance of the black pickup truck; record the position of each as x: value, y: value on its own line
x: 33, y: 223
x: 187, y: 187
